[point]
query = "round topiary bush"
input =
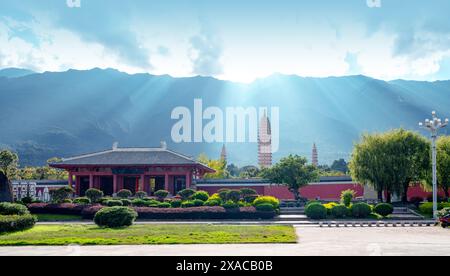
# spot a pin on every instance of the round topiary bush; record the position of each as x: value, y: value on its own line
x: 187, y: 204
x: 114, y: 217
x: 94, y: 195
x: 361, y: 210
x: 11, y: 209
x: 234, y: 195
x: 165, y: 205
x: 212, y: 202
x: 138, y: 202
x: 113, y: 202
x: 141, y: 194
x: 201, y: 195
x: 223, y: 194
x: 126, y: 202
x: 186, y: 193
x: 316, y: 211
x: 16, y: 223
x: 248, y: 192
x: 162, y: 194
x: 384, y: 209
x: 230, y: 205
x: 340, y: 211
x: 267, y: 199
x: 124, y: 193
x: 176, y: 204
x: 265, y: 208
x: 198, y: 202
x: 82, y: 201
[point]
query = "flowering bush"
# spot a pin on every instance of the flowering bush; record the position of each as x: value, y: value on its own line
x: 267, y: 199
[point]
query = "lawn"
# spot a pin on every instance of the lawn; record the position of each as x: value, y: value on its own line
x: 149, y: 234
x: 57, y: 218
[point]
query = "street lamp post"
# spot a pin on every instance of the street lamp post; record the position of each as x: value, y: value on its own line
x: 434, y: 125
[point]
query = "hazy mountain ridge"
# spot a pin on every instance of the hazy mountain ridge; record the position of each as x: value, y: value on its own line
x: 67, y: 113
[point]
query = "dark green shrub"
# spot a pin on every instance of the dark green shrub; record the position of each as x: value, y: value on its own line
x: 124, y: 193
x: 312, y: 202
x: 16, y: 223
x: 212, y: 202
x: 152, y: 203
x: 11, y: 209
x: 201, y: 195
x: 198, y: 202
x: 234, y: 195
x: 126, y: 202
x: 347, y: 197
x: 176, y: 203
x: 267, y: 199
x: 427, y: 207
x: 61, y: 194
x: 361, y: 210
x: 104, y: 199
x: 384, y: 209
x: 250, y: 198
x: 113, y: 202
x: 67, y: 200
x: 187, y: 204
x: 94, y: 195
x: 114, y: 217
x: 165, y: 205
x: 186, y: 193
x: 223, y: 194
x: 27, y: 200
x: 141, y: 194
x: 162, y: 194
x: 340, y: 211
x: 82, y: 201
x: 230, y: 205
x: 139, y: 202
x: 316, y: 211
x: 265, y: 207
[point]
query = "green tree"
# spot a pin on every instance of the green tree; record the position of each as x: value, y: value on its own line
x: 9, y: 162
x: 443, y: 163
x: 249, y: 172
x: 390, y: 161
x: 340, y: 166
x: 292, y: 171
x: 233, y: 170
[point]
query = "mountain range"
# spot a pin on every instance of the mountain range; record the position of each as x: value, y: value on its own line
x: 61, y: 114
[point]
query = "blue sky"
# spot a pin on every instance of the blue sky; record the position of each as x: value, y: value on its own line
x: 234, y: 40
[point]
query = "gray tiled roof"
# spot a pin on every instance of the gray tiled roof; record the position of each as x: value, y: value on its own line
x: 130, y: 156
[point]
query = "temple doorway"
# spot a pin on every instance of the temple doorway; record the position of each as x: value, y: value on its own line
x: 131, y: 183
x: 106, y: 185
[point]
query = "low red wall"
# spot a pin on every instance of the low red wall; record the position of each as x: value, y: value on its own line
x: 330, y: 192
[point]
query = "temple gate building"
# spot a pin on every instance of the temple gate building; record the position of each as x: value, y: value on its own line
x: 134, y: 169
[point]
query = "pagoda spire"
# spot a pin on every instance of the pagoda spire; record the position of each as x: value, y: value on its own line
x: 223, y: 154
x: 315, y: 156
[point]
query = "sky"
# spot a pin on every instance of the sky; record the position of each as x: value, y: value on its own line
x: 237, y: 40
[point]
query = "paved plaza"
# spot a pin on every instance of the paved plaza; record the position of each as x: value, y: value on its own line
x: 312, y: 241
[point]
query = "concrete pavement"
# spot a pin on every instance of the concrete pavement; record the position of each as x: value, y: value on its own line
x: 429, y: 241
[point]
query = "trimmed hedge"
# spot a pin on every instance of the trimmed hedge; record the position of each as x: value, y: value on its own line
x: 201, y: 195
x: 114, y: 217
x: 427, y: 208
x: 265, y: 208
x: 316, y: 211
x: 384, y: 209
x: 113, y: 203
x: 267, y: 200
x: 11, y: 209
x: 57, y: 209
x: 94, y: 195
x: 340, y: 211
x: 195, y: 213
x: 16, y: 223
x: 361, y: 210
x: 124, y: 193
x: 82, y: 201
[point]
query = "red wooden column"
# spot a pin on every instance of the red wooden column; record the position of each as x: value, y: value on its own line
x: 188, y: 180
x: 91, y: 181
x: 166, y: 182
x: 77, y: 185
x: 70, y: 180
x: 141, y: 185
x: 115, y: 184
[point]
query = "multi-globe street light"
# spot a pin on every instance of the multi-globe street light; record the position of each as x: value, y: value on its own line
x: 434, y: 125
